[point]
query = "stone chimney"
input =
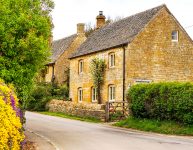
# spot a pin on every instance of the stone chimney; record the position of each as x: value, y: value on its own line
x: 80, y: 28
x: 100, y: 20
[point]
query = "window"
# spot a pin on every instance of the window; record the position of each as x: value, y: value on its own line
x: 94, y: 94
x: 80, y: 66
x: 111, y: 59
x: 111, y: 93
x: 80, y: 94
x: 174, y: 35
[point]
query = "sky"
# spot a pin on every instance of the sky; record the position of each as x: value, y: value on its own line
x: 67, y: 13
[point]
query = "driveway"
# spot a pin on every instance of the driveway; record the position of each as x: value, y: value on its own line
x: 66, y: 134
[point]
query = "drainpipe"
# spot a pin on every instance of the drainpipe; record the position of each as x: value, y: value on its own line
x: 53, y: 76
x: 123, y: 73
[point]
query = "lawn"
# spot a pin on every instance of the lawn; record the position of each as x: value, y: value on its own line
x: 164, y: 127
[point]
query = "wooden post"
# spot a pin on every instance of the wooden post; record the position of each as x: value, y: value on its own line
x: 107, y: 112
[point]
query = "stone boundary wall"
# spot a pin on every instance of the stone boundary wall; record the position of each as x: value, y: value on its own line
x: 78, y: 109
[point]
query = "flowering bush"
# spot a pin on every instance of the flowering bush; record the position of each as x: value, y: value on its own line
x: 11, y: 134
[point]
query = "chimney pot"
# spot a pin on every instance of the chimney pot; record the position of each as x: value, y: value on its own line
x: 100, y: 12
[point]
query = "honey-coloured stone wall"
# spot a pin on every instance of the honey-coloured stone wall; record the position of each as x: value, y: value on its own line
x: 154, y: 56
x: 113, y: 76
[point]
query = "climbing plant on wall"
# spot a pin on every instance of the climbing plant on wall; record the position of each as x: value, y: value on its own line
x: 97, y: 68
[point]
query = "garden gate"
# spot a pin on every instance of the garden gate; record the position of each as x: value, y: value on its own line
x: 117, y: 110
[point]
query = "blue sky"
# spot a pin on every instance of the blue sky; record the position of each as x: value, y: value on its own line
x: 68, y: 13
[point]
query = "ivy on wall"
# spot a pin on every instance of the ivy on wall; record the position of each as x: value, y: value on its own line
x: 97, y: 68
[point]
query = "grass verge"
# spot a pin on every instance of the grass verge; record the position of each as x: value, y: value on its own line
x: 164, y: 127
x: 62, y: 115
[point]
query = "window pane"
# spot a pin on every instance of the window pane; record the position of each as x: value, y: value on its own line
x: 80, y: 66
x: 111, y: 60
x: 94, y: 94
x: 80, y: 94
x: 113, y: 93
x: 175, y: 35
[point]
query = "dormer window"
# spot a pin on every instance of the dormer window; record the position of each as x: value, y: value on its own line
x: 111, y: 59
x: 174, y: 36
x: 80, y: 66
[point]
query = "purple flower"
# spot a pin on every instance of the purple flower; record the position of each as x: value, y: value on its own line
x: 13, y: 102
x: 19, y: 113
x: 23, y: 143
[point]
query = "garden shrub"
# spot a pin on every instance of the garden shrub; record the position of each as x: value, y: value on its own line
x: 162, y: 101
x: 11, y: 133
x: 43, y: 93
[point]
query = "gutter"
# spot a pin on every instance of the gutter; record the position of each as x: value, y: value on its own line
x: 80, y: 55
x: 53, y: 76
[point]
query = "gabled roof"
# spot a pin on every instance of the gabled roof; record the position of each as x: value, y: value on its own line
x: 59, y: 46
x: 116, y: 34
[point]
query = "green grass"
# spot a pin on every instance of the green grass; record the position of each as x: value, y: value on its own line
x: 62, y: 115
x: 164, y: 127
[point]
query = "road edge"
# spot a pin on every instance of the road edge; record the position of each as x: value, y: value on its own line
x: 45, y: 138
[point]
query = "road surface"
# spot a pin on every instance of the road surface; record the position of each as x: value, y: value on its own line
x: 66, y: 134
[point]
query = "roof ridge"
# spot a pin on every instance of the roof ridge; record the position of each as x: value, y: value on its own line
x: 125, y: 18
x: 117, y: 33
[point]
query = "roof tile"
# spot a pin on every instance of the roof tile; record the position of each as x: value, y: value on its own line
x: 118, y: 33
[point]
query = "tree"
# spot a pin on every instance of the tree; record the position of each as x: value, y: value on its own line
x: 90, y: 28
x: 97, y: 68
x: 25, y: 31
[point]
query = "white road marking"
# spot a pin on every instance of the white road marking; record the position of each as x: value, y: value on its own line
x: 45, y: 138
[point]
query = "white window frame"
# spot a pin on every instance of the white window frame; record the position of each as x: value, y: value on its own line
x: 175, y: 36
x: 111, y: 93
x: 111, y: 60
x: 94, y: 94
x: 80, y: 66
x: 80, y: 94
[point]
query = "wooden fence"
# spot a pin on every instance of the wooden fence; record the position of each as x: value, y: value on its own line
x: 116, y: 110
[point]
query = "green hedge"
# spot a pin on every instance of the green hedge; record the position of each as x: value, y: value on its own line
x: 43, y: 93
x: 162, y: 101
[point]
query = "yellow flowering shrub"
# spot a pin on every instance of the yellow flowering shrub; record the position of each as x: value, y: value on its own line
x: 11, y: 134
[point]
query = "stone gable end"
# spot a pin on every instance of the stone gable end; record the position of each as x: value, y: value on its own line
x: 154, y: 56
x: 62, y: 64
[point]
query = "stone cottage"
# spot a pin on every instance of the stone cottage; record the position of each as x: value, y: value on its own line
x: 58, y: 67
x: 150, y: 46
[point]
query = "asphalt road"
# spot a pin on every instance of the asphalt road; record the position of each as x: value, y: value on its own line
x: 66, y: 134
